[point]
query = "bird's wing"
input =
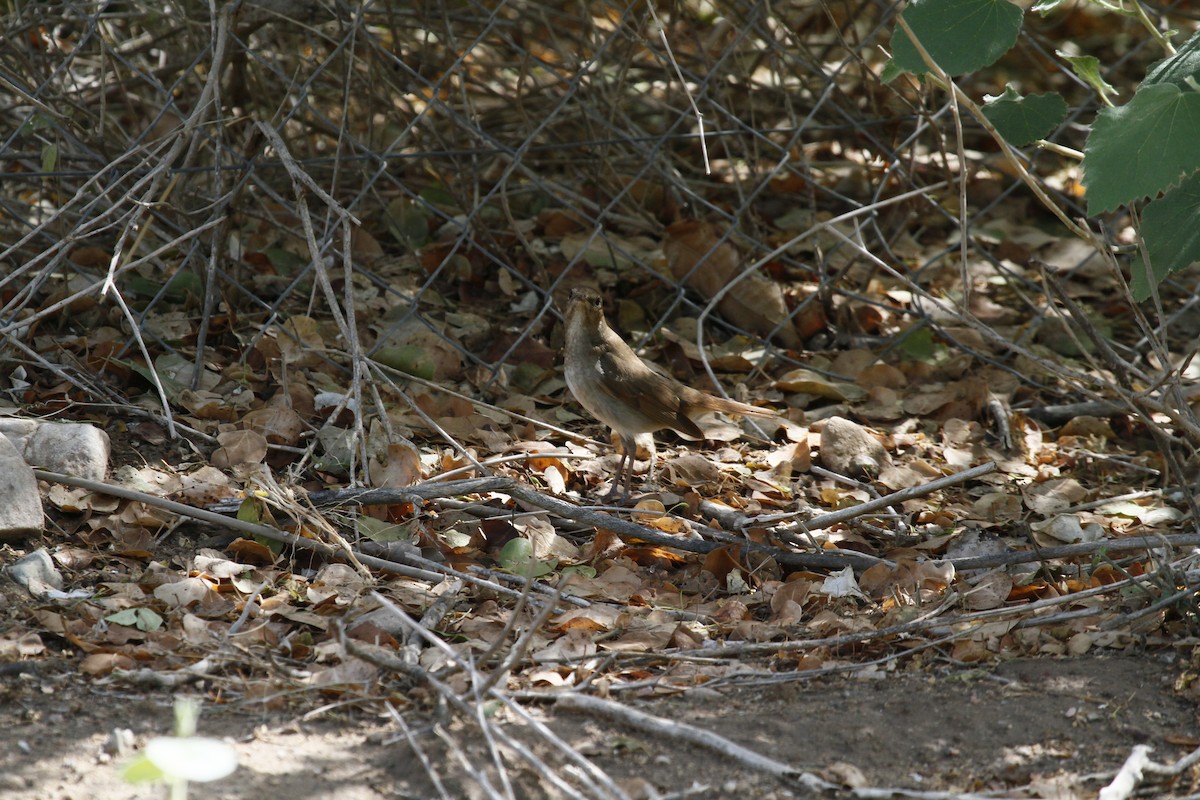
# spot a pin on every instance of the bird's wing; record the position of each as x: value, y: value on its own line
x: 656, y: 397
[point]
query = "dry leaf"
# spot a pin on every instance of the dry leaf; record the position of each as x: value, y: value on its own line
x: 696, y: 255
x: 239, y: 447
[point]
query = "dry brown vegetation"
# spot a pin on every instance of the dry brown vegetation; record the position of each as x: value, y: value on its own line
x: 282, y: 257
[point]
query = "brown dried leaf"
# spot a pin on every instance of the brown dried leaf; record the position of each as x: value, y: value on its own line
x: 696, y: 254
x: 300, y: 342
x: 17, y: 644
x: 276, y: 424
x: 403, y: 467
x: 1052, y: 496
x: 992, y: 591
x: 239, y: 447
x: 105, y: 663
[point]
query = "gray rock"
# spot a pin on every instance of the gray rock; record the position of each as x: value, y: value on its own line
x: 848, y: 448
x: 21, y: 509
x: 78, y: 449
x: 36, y: 573
x: 18, y: 430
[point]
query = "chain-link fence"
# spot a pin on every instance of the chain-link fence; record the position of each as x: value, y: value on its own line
x: 427, y: 181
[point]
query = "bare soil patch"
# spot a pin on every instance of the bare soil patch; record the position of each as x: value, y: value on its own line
x: 1048, y: 728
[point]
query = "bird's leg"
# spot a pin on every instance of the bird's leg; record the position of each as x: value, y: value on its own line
x: 625, y: 467
x: 646, y: 440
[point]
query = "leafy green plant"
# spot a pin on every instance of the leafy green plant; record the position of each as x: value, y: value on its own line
x: 184, y: 757
x: 144, y: 619
x: 1147, y: 148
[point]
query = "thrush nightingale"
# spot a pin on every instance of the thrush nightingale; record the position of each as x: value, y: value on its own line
x: 622, y: 391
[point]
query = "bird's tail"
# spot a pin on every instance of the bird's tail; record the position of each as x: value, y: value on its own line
x: 708, y: 401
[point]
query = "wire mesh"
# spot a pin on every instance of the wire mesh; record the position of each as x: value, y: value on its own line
x: 180, y: 180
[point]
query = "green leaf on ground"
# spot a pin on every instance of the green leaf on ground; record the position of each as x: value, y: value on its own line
x: 918, y: 345
x: 178, y: 288
x: 285, y: 261
x: 144, y: 619
x: 408, y: 222
x: 409, y: 359
x: 517, y: 557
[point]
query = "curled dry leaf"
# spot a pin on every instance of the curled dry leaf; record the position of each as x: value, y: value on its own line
x: 696, y: 255
x: 105, y: 663
x: 990, y: 591
x: 1052, y: 496
x: 402, y: 468
x: 205, y: 486
x: 555, y: 479
x: 845, y: 774
x: 692, y: 470
x: 239, y: 447
x: 300, y: 342
x: 841, y: 584
x: 575, y: 645
x: 276, y: 424
x: 806, y: 381
x: 1065, y: 528
x: 76, y: 501
x: 20, y: 644
x: 184, y: 593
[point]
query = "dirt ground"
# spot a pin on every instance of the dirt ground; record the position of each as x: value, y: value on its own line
x: 1040, y: 728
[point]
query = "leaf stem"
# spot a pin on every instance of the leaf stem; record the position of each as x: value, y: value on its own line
x: 1062, y: 150
x: 1158, y: 35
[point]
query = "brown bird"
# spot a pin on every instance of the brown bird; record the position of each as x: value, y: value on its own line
x: 622, y: 391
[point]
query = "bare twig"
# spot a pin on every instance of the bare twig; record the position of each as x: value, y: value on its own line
x: 678, y: 731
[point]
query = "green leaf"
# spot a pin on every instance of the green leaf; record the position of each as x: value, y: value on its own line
x: 1142, y: 148
x: 180, y: 285
x: 527, y: 376
x: 128, y: 617
x: 142, y: 770
x: 409, y: 359
x: 408, y: 222
x: 38, y: 121
x: 187, y: 712
x: 1171, y: 230
x: 961, y: 35
x: 285, y: 261
x: 141, y: 618
x: 1022, y: 120
x: 455, y: 538
x: 183, y: 284
x: 517, y: 557
x: 254, y: 509
x: 378, y: 530
x: 173, y: 389
x: 891, y: 71
x: 440, y: 197
x: 1178, y: 68
x: 918, y: 345
x: 50, y: 158
x: 1087, y: 69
